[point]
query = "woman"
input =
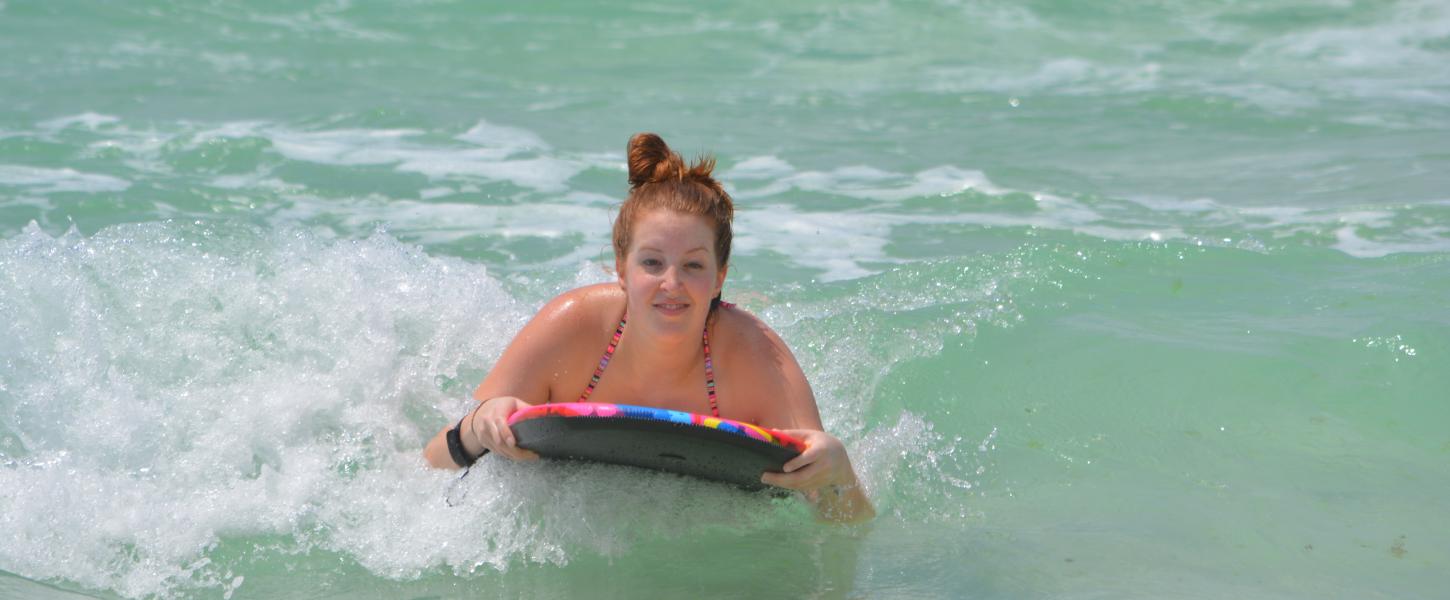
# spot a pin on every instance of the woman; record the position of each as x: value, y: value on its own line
x: 668, y: 340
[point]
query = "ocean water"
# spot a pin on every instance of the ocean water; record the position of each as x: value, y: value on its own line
x: 1107, y: 300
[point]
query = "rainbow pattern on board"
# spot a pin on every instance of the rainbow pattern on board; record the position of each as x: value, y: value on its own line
x: 626, y: 411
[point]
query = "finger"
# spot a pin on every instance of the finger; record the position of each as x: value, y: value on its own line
x: 517, y: 454
x: 490, y: 434
x: 801, y: 460
x: 809, y: 477
x: 813, y: 477
x: 800, y: 480
x: 507, y: 446
x: 780, y: 480
x: 499, y: 434
x: 512, y: 440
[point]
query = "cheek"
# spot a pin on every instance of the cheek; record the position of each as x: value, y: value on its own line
x: 709, y: 280
x: 641, y: 281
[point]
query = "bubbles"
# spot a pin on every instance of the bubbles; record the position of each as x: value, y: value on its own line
x: 223, y: 390
x: 185, y: 395
x: 918, y: 474
x: 170, y: 384
x: 1394, y: 345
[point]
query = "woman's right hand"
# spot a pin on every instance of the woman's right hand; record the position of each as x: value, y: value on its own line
x: 488, y: 425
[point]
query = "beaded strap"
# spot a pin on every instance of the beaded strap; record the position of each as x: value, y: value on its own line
x: 604, y: 360
x: 710, y: 374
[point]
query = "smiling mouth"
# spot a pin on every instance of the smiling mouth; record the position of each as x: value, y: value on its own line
x: 668, y: 306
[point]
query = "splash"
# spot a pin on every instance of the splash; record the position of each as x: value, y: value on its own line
x: 179, y: 396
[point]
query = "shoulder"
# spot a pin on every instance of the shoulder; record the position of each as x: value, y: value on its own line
x: 747, y: 333
x: 581, y: 310
x: 552, y: 345
x: 772, y: 388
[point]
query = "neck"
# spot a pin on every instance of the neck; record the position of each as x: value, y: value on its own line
x: 661, y: 356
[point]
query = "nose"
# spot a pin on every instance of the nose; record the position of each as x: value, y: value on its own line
x: 671, y: 279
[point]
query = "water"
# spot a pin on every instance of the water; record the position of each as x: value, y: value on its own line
x: 1106, y: 301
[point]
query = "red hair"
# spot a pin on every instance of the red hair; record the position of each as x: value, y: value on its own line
x: 659, y: 179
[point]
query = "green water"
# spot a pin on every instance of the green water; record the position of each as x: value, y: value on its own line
x: 1106, y: 301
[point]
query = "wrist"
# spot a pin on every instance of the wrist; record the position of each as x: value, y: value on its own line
x: 458, y: 451
x: 472, y: 442
x: 841, y: 488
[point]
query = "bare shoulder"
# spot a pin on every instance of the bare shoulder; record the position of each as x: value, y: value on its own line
x: 549, y: 348
x: 580, y: 311
x: 750, y: 335
x: 766, y: 382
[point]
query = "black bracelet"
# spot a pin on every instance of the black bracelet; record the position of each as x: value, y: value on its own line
x: 455, y: 447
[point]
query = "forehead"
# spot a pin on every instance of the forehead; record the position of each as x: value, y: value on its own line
x: 667, y: 229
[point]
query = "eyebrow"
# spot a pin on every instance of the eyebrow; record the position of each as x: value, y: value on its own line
x: 697, y: 249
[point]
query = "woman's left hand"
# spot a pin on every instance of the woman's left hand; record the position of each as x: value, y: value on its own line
x: 824, y: 463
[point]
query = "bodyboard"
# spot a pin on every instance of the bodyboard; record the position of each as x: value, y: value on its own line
x: 654, y: 438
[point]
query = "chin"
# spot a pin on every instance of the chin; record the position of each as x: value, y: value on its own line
x: 682, y: 320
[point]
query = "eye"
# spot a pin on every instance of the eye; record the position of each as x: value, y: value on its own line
x: 694, y: 265
x: 650, y: 263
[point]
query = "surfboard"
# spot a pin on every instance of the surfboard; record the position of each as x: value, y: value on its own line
x: 674, y: 441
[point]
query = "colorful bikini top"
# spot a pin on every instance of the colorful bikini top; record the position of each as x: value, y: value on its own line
x: 613, y: 343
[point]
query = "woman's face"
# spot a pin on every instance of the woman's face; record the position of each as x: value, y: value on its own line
x: 669, y: 272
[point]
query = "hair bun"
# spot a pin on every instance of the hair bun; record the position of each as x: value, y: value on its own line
x: 651, y: 160
x: 659, y: 180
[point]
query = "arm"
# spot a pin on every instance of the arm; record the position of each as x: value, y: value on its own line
x: 824, y: 471
x: 520, y: 378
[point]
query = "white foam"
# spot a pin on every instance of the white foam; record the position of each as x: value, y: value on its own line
x: 1423, y: 239
x: 758, y: 167
x: 89, y: 120
x: 1054, y: 73
x: 48, y: 181
x: 1273, y: 98
x: 920, y: 473
x: 1069, y: 75
x: 485, y: 151
x: 544, y: 174
x: 844, y: 245
x: 260, y: 180
x: 492, y: 153
x: 459, y: 164
x: 346, y: 146
x: 322, y: 19
x: 228, y: 130
x: 869, y: 183
x: 510, y: 139
x: 173, y: 386
x: 852, y: 244
x: 835, y: 243
x: 1395, y: 43
x: 1194, y: 205
x: 233, y: 62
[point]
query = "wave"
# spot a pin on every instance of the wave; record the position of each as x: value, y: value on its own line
x: 491, y: 186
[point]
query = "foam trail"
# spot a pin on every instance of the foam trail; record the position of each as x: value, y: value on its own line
x: 171, y: 389
x: 41, y: 180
